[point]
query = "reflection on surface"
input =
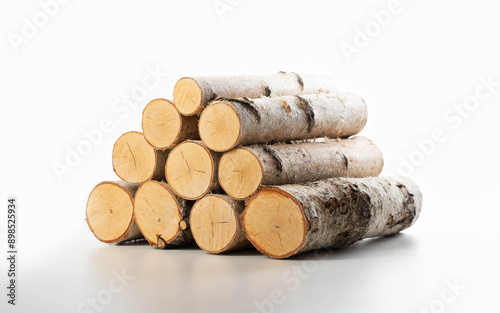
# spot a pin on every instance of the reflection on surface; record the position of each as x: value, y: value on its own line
x: 195, y: 281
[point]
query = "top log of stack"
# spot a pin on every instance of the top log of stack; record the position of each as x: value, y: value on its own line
x: 282, y: 143
x: 193, y: 94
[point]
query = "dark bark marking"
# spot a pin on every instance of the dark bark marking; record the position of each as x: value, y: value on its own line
x: 267, y: 91
x: 299, y: 80
x: 275, y: 157
x: 246, y: 103
x: 286, y: 106
x: 346, y: 159
x: 306, y: 106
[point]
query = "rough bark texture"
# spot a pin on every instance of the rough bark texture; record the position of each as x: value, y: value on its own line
x: 132, y: 231
x: 279, y: 84
x: 269, y: 120
x: 340, y: 211
x: 214, y: 186
x: 302, y: 162
x: 184, y: 238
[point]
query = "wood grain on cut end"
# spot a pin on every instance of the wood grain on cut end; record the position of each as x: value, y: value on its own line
x: 191, y: 170
x: 157, y: 212
x: 240, y: 173
x: 161, y: 123
x: 275, y: 223
x: 134, y: 159
x: 188, y: 96
x: 219, y: 126
x: 215, y: 224
x: 110, y: 211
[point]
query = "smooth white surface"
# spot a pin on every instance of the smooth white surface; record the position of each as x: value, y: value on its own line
x: 72, y: 74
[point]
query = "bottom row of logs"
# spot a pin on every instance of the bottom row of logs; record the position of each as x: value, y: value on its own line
x: 279, y: 221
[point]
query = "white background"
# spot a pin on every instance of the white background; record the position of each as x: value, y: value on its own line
x: 415, y: 73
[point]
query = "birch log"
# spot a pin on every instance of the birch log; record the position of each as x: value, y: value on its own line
x: 135, y: 160
x: 110, y: 212
x: 192, y: 94
x: 191, y: 170
x: 215, y: 224
x: 159, y: 213
x: 226, y: 123
x: 336, y: 212
x: 164, y: 127
x: 243, y: 170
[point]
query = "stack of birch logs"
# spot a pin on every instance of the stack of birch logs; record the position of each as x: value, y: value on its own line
x: 236, y: 161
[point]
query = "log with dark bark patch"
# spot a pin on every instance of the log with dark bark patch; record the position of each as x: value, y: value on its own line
x: 281, y: 221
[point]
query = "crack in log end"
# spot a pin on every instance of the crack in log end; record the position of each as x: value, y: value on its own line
x: 133, y: 156
x: 286, y: 106
x: 330, y: 205
x: 184, y: 223
x: 300, y: 81
x: 306, y: 106
x: 187, y: 164
x: 275, y: 157
x: 267, y: 91
x: 246, y: 103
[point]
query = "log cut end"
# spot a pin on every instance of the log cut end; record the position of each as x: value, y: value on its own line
x: 161, y: 244
x: 161, y: 123
x: 188, y: 96
x: 240, y: 173
x: 183, y: 225
x: 190, y: 170
x: 157, y: 212
x: 274, y: 223
x: 110, y: 212
x: 214, y: 223
x: 220, y: 126
x: 134, y: 159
